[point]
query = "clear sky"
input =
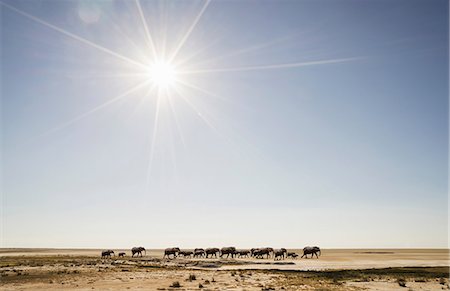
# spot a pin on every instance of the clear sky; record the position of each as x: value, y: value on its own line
x: 246, y: 123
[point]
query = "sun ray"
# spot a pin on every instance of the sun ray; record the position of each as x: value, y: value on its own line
x: 143, y: 98
x: 164, y: 17
x: 173, y: 151
x: 74, y: 36
x: 189, y: 31
x: 141, y: 51
x: 103, y: 105
x: 98, y: 75
x: 192, y: 86
x: 197, y: 52
x: 147, y: 32
x: 177, y: 123
x: 199, y: 114
x: 271, y: 67
x: 242, y: 51
x: 153, y: 141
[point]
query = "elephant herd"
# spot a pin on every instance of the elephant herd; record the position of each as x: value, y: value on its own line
x: 226, y: 252
x: 134, y: 251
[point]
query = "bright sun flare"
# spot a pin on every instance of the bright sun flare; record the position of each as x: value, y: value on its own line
x: 162, y: 74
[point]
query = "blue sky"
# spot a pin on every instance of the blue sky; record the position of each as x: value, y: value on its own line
x: 305, y: 122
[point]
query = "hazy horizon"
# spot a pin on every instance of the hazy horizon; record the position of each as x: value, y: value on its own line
x: 215, y: 123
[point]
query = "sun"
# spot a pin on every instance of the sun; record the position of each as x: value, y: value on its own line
x: 162, y: 74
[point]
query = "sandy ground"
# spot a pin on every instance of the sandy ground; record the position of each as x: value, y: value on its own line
x: 58, y: 269
x: 330, y: 258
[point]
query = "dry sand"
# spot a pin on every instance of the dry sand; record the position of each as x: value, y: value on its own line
x: 350, y: 269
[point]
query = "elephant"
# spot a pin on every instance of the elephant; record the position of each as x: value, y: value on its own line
x: 107, y: 254
x: 243, y: 253
x: 260, y: 253
x: 212, y: 251
x: 228, y: 251
x: 137, y: 251
x: 199, y: 253
x: 279, y: 254
x: 171, y: 251
x: 311, y: 250
x: 185, y: 253
x: 122, y: 254
x: 270, y: 250
x: 252, y: 251
x: 292, y: 255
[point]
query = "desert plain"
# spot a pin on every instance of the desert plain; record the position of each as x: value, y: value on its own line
x: 335, y: 269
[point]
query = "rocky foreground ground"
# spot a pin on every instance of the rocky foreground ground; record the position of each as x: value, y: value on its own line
x: 64, y: 272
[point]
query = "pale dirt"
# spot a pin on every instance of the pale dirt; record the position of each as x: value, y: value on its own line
x: 330, y: 258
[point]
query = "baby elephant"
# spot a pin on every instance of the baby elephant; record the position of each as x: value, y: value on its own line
x: 122, y: 254
x: 292, y: 255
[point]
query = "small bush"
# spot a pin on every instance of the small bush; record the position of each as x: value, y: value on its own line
x: 401, y: 282
x: 200, y: 286
x: 442, y: 281
x: 176, y: 284
x: 336, y: 281
x: 192, y: 277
